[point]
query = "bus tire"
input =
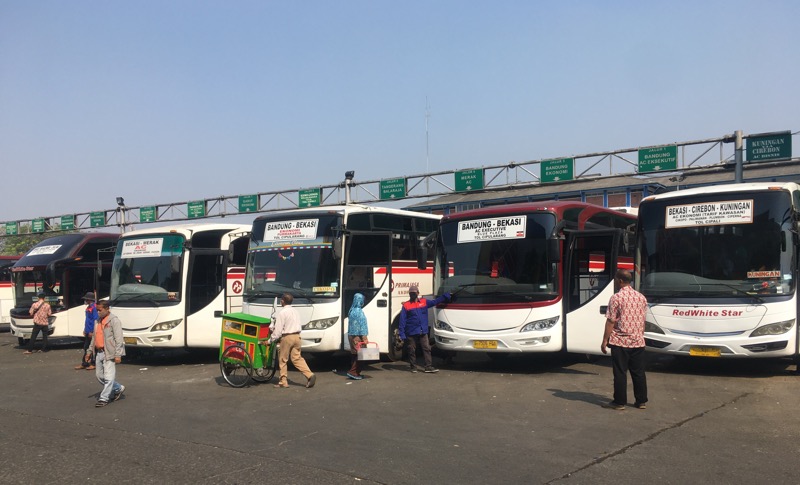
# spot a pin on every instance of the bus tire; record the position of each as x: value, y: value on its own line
x: 393, y: 354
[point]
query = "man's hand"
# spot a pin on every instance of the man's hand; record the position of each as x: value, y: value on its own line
x: 117, y: 360
x: 603, y: 346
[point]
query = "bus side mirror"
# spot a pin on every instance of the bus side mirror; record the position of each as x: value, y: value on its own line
x: 554, y: 250
x: 337, y: 248
x: 99, y: 267
x: 422, y: 258
x: 174, y: 263
x: 50, y: 275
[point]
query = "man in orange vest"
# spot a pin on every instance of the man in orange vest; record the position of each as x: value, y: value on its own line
x: 108, y: 347
x: 414, y: 327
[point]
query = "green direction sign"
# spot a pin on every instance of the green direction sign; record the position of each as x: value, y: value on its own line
x: 248, y: 203
x: 196, y: 209
x: 557, y: 170
x: 147, y: 214
x: 658, y: 159
x: 309, y: 197
x: 393, y: 188
x: 775, y: 146
x: 37, y: 225
x: 67, y: 223
x: 469, y: 180
x: 97, y: 219
x: 12, y: 228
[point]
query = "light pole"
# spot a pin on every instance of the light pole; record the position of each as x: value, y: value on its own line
x: 121, y: 214
x: 348, y: 180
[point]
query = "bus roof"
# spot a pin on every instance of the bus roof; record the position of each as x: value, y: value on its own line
x: 63, y: 246
x: 725, y: 188
x: 556, y: 206
x: 349, y: 209
x: 187, y: 229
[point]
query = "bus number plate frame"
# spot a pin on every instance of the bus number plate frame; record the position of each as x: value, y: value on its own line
x: 484, y: 344
x: 705, y: 351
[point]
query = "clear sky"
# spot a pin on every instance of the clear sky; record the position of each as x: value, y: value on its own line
x: 165, y: 101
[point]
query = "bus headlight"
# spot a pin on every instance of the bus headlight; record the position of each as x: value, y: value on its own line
x: 652, y: 328
x: 440, y: 325
x: 540, y: 324
x: 773, y: 329
x: 320, y: 324
x: 163, y: 326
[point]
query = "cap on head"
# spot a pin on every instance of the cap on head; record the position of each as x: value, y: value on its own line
x: 89, y: 296
x: 413, y: 289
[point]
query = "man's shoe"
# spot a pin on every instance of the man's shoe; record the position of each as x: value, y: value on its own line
x: 355, y: 377
x: 91, y: 367
x: 281, y: 386
x: 413, y: 369
x: 640, y: 405
x: 118, y: 394
x: 431, y: 369
x: 27, y: 352
x: 80, y: 367
x: 100, y: 404
x: 614, y: 406
x: 311, y: 381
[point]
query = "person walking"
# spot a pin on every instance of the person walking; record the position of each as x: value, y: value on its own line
x: 88, y: 329
x: 41, y: 312
x: 287, y: 330
x: 357, y: 332
x: 413, y: 327
x: 107, y: 346
x: 624, y: 335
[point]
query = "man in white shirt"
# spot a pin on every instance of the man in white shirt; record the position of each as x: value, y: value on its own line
x: 287, y: 329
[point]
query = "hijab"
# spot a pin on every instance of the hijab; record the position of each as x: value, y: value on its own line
x: 358, y: 321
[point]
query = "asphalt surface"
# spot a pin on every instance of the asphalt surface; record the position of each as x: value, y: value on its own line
x: 524, y: 420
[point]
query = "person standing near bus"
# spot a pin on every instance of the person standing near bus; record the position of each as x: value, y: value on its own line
x: 108, y: 347
x: 413, y: 327
x: 287, y: 331
x: 357, y: 332
x: 41, y: 312
x: 88, y: 329
x: 624, y: 335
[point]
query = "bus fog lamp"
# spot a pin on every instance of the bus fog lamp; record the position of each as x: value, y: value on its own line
x: 163, y: 326
x: 773, y: 329
x: 320, y: 324
x: 651, y: 327
x: 540, y: 324
x: 440, y: 325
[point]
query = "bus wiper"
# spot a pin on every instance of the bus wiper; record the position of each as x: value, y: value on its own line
x: 250, y: 296
x: 470, y: 285
x: 736, y: 290
x: 136, y: 297
x: 292, y: 290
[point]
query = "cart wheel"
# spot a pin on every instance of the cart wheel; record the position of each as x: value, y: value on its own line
x: 264, y: 374
x: 236, y: 366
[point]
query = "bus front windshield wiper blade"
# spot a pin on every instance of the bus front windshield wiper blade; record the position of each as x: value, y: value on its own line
x: 736, y: 290
x: 138, y: 297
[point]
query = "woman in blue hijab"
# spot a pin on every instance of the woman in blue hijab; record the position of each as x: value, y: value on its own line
x: 357, y: 334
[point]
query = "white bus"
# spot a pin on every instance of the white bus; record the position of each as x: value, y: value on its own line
x: 170, y: 285
x: 719, y: 269
x: 6, y: 288
x: 64, y: 268
x: 531, y: 277
x: 324, y: 256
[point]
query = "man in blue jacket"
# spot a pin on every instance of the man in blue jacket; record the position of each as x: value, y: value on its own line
x: 414, y: 327
x: 88, y: 328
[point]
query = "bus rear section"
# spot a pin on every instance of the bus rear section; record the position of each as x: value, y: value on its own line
x: 170, y: 285
x: 64, y: 268
x: 6, y: 288
x: 528, y: 277
x: 718, y: 268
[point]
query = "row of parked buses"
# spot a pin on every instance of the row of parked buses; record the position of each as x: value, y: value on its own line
x: 718, y: 266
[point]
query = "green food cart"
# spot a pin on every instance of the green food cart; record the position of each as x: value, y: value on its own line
x: 245, y: 351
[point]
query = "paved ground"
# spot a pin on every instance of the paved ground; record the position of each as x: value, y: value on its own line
x: 527, y: 420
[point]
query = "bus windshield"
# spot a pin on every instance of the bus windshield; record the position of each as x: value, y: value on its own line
x: 293, y: 254
x: 148, y: 268
x: 27, y: 284
x: 733, y: 244
x: 501, y: 259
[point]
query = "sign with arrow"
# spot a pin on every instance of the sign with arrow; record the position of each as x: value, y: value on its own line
x: 658, y: 159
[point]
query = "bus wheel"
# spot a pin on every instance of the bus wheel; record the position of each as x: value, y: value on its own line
x: 393, y: 353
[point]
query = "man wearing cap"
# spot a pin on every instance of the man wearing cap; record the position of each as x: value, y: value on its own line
x: 414, y: 327
x: 88, y: 328
x: 41, y: 312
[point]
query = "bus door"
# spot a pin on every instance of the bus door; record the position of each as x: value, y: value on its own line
x: 205, y: 284
x: 589, y: 267
x: 368, y: 270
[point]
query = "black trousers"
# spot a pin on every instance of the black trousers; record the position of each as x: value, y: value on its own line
x: 625, y: 360
x: 36, y: 329
x: 422, y: 341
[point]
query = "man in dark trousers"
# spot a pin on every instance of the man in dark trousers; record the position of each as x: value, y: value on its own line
x: 414, y: 327
x: 624, y: 335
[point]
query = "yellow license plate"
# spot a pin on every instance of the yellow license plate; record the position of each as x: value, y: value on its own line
x: 484, y: 344
x: 130, y: 340
x: 704, y: 351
